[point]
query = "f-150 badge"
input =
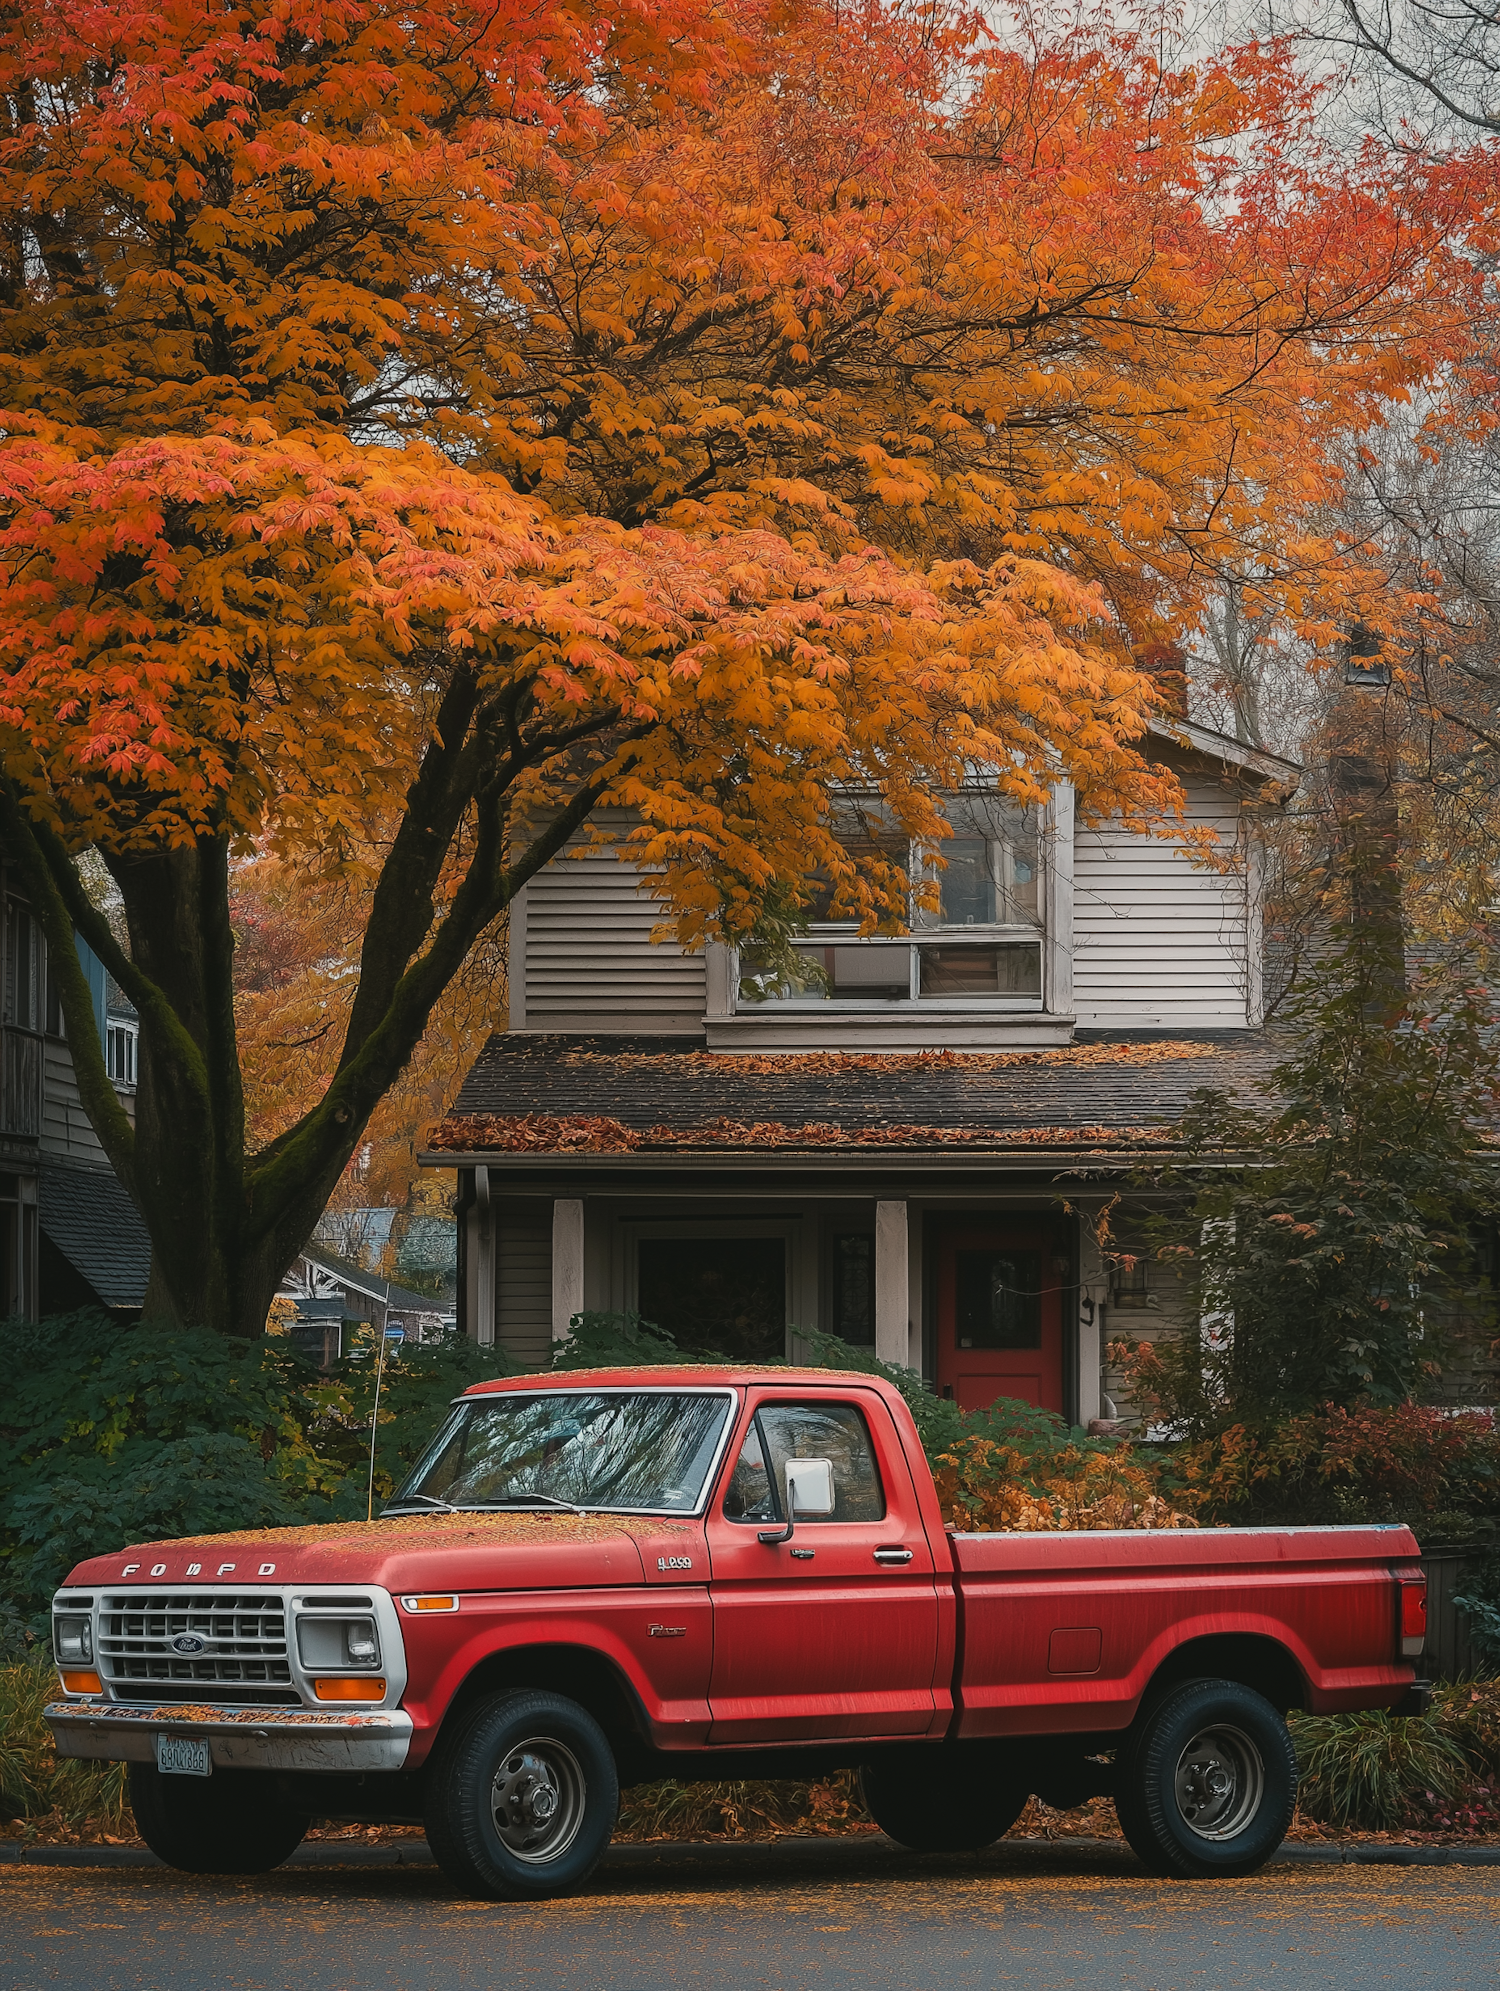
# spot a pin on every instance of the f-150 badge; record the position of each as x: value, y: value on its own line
x: 674, y: 1562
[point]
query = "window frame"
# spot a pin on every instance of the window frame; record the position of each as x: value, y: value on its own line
x: 727, y: 1392
x: 1051, y: 936
x: 129, y: 1032
x: 779, y: 1518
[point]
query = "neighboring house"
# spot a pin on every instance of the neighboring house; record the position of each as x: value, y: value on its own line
x: 413, y: 1244
x: 332, y: 1299
x: 909, y: 1144
x: 69, y: 1235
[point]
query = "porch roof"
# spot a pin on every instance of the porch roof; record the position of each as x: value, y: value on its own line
x: 537, y: 1097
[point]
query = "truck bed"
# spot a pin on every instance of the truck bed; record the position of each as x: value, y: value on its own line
x: 1061, y: 1632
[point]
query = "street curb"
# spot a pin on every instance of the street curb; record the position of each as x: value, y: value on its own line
x: 719, y: 1852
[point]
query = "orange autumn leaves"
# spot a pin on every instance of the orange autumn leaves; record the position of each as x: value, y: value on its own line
x: 784, y: 397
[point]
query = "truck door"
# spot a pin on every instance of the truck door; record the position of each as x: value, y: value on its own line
x: 832, y: 1631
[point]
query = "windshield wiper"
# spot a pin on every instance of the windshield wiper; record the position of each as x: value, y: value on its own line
x: 520, y: 1500
x: 427, y: 1500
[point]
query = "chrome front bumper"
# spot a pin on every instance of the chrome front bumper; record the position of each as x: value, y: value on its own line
x: 238, y: 1738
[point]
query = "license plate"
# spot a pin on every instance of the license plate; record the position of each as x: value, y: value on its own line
x: 183, y: 1756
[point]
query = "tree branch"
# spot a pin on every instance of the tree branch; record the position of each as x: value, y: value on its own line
x: 324, y: 1138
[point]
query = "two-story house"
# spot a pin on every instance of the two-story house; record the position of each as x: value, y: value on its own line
x: 907, y: 1141
x: 69, y: 1235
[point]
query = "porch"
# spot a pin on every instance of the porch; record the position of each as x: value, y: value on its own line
x: 938, y: 1208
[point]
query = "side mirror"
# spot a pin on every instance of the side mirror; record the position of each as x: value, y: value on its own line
x: 809, y: 1488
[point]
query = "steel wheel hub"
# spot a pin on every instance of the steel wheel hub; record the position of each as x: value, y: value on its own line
x: 537, y: 1799
x: 1219, y: 1783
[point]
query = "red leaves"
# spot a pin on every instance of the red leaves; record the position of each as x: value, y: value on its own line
x: 830, y: 1064
x: 537, y: 1133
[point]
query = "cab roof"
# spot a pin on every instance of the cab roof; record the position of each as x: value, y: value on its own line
x: 692, y: 1375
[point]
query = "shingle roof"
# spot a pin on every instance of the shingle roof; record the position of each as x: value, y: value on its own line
x: 358, y: 1280
x: 569, y: 1094
x: 93, y: 1223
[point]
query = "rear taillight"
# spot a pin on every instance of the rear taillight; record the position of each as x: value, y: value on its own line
x: 1411, y: 1633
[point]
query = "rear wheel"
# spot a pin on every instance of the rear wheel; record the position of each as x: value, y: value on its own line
x: 230, y: 1822
x: 940, y: 1805
x: 1208, y: 1784
x: 522, y: 1798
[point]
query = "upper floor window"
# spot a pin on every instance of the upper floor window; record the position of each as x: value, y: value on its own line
x: 120, y: 1041
x: 976, y: 920
x: 25, y: 959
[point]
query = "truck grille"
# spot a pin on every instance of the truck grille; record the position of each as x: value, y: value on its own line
x: 244, y: 1645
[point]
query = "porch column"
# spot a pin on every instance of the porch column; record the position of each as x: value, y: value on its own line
x: 892, y: 1299
x: 567, y: 1263
x: 1093, y: 1295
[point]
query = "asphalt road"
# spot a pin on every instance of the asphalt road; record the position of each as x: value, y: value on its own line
x: 788, y: 1918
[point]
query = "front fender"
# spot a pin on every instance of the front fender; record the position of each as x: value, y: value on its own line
x: 660, y: 1642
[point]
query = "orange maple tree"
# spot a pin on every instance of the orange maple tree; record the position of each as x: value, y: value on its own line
x: 424, y: 429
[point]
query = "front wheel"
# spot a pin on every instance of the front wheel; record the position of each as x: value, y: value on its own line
x: 935, y: 1803
x: 1208, y: 1784
x: 523, y: 1797
x: 230, y: 1822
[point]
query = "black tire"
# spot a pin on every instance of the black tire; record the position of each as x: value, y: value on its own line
x: 231, y: 1822
x: 1208, y: 1782
x: 935, y: 1804
x: 522, y: 1798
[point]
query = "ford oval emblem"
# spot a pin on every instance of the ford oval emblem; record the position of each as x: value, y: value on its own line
x: 188, y: 1643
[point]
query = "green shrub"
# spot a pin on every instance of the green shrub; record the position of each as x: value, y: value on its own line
x: 1479, y: 1601
x: 65, y: 1797
x: 1376, y: 1770
x: 619, y: 1341
x: 418, y: 1383
x: 1470, y: 1711
x: 1333, y: 1219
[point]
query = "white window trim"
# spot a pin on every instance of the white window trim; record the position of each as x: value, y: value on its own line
x: 130, y: 1032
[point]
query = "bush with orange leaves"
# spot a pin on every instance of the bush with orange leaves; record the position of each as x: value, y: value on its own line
x: 988, y: 1483
x: 1375, y: 1462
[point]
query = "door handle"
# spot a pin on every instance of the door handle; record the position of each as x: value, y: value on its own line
x: 893, y: 1555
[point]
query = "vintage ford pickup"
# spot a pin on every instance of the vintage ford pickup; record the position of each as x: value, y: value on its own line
x: 611, y: 1576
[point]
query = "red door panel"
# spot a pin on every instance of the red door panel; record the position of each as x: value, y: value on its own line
x: 820, y: 1637
x: 999, y: 1315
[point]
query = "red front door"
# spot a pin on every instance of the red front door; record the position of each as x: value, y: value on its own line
x: 999, y: 1315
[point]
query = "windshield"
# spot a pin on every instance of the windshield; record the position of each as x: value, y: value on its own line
x: 646, y: 1452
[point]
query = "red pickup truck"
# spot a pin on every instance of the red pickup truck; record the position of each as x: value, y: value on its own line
x: 622, y: 1575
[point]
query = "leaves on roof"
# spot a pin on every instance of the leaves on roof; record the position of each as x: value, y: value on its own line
x: 543, y: 1133
x: 831, y: 1064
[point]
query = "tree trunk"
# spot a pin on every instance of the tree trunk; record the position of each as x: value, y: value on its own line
x: 225, y: 1225
x: 1366, y: 804
x: 212, y: 1263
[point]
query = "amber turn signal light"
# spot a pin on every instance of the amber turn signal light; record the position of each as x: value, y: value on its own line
x: 349, y: 1690
x: 82, y: 1683
x: 429, y: 1603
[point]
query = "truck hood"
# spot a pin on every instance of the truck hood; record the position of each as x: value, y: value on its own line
x: 431, y: 1552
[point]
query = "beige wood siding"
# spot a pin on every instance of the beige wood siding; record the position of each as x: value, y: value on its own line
x: 525, y: 1294
x: 590, y: 964
x: 65, y: 1125
x: 1159, y: 942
